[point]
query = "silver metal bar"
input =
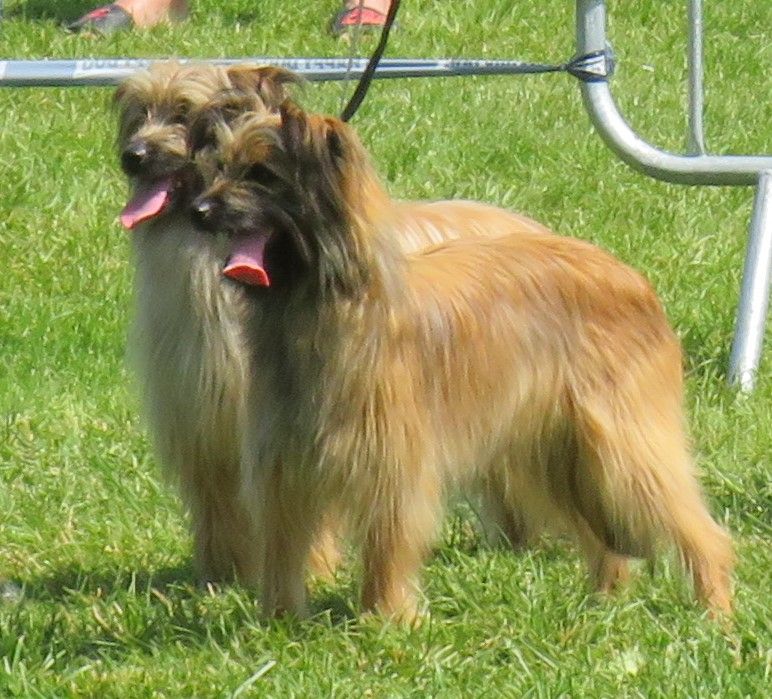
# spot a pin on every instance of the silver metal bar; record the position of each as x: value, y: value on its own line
x: 683, y: 169
x: 754, y: 296
x: 696, y: 140
x: 693, y: 169
x: 65, y: 73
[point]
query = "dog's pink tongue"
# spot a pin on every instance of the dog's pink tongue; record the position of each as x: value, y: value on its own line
x: 148, y: 201
x: 247, y: 263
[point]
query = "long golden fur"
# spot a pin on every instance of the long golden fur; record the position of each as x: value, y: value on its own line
x: 531, y: 366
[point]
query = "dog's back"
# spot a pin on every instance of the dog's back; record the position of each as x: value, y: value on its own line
x: 565, y: 355
x: 423, y: 223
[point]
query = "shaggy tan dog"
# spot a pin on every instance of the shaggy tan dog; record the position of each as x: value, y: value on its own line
x: 528, y: 365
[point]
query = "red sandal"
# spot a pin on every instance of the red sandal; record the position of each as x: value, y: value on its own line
x: 358, y: 16
x: 102, y: 20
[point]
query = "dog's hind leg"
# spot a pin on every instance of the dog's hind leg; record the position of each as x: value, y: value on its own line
x: 609, y: 571
x: 634, y: 485
x: 325, y: 555
x: 502, y: 522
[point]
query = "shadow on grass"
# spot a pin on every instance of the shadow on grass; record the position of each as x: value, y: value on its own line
x: 63, y: 10
x: 77, y: 580
x: 110, y: 614
x: 335, y: 606
x: 175, y: 582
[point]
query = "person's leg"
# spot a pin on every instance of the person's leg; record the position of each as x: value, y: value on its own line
x: 146, y: 13
x: 381, y: 6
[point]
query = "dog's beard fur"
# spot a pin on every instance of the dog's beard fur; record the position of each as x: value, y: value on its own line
x: 534, y: 367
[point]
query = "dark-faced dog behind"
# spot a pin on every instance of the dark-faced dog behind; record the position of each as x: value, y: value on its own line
x: 527, y: 365
x: 187, y: 340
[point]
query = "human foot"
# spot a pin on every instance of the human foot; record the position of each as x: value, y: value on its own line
x: 124, y: 14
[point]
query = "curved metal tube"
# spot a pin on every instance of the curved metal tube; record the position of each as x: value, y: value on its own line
x: 631, y: 148
x: 682, y: 169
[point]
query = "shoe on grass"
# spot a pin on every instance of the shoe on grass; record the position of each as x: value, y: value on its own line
x: 352, y: 17
x: 103, y: 20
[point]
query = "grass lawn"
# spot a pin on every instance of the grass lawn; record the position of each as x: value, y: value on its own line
x: 106, y: 603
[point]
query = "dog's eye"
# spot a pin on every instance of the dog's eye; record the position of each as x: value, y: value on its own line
x: 179, y: 116
x: 262, y: 175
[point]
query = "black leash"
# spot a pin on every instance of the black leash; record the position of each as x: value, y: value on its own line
x: 597, y: 65
x: 367, y: 76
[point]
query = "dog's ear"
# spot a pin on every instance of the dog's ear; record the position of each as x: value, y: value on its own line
x: 268, y: 82
x: 202, y: 130
x: 120, y: 94
x: 123, y: 97
x: 294, y: 127
x: 306, y: 135
x: 336, y: 135
x: 130, y: 112
x: 119, y: 104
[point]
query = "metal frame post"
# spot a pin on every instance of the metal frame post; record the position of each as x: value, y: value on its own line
x: 696, y: 168
x: 696, y: 140
x: 754, y: 295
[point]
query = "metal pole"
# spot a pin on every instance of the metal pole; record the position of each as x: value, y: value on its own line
x: 754, y: 296
x: 682, y: 169
x: 693, y: 169
x: 696, y: 142
x: 69, y: 73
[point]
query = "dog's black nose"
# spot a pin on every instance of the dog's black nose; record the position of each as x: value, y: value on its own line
x: 134, y: 157
x: 203, y: 210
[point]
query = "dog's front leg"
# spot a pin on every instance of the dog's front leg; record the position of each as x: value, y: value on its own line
x: 225, y: 540
x: 289, y: 523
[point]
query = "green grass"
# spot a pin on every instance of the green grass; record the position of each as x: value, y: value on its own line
x: 108, y: 605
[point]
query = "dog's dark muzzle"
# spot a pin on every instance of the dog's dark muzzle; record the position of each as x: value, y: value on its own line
x: 206, y: 212
x: 135, y: 158
x: 143, y: 158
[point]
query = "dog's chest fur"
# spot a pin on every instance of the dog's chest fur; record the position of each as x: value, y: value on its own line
x: 188, y: 343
